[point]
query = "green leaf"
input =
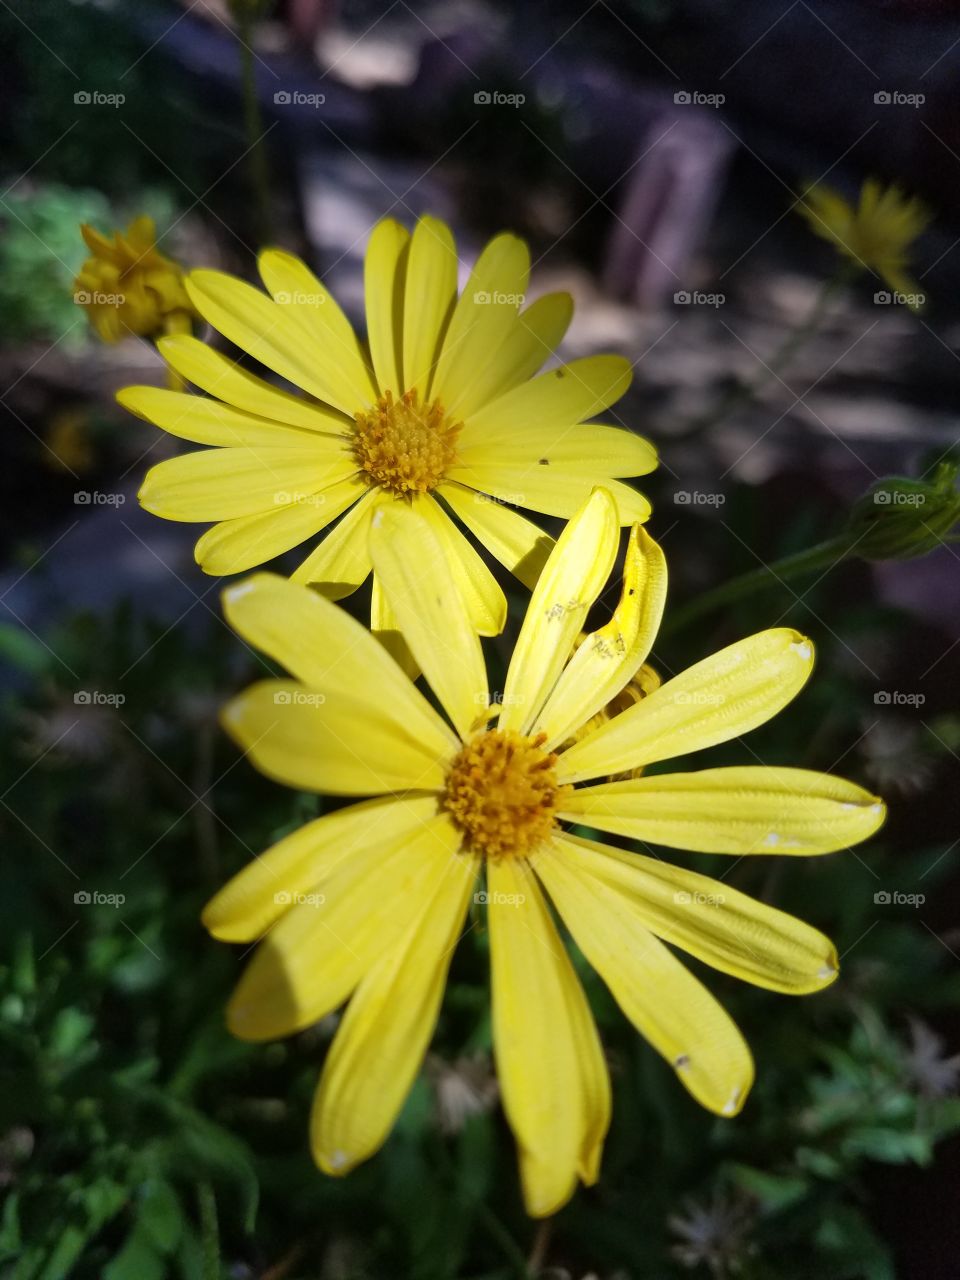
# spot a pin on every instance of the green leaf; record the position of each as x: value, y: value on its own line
x: 23, y: 651
x: 160, y: 1214
x: 137, y: 1259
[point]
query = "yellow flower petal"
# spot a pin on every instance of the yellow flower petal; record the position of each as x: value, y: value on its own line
x: 266, y: 889
x: 708, y: 919
x: 590, y: 448
x: 479, y: 589
x: 555, y: 491
x: 610, y: 657
x: 346, y: 745
x: 223, y: 378
x: 430, y: 291
x: 484, y: 315
x: 341, y: 563
x: 553, y: 1079
x: 339, y: 359
x: 209, y: 422
x: 572, y: 578
x: 740, y: 810
x: 386, y: 627
x: 386, y: 1029
x: 719, y: 698
x: 515, y: 541
x: 221, y: 484
x: 665, y: 1002
x: 411, y: 566
x: 384, y: 267
x: 557, y: 398
x: 315, y: 955
x: 333, y: 654
x: 271, y: 335
x: 233, y: 546
x: 533, y: 337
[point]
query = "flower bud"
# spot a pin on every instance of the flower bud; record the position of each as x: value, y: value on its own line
x: 129, y: 287
x: 899, y: 517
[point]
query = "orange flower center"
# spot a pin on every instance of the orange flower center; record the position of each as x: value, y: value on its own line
x: 502, y: 793
x: 404, y: 446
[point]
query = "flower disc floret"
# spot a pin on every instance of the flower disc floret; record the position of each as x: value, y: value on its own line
x: 405, y: 446
x: 502, y: 792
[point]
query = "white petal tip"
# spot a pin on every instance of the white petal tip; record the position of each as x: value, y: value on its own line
x: 828, y: 971
x: 338, y: 1160
x: 732, y: 1106
x: 242, y: 589
x: 804, y: 649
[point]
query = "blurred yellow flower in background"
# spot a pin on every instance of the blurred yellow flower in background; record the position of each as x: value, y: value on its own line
x: 129, y: 288
x: 441, y: 413
x: 875, y: 234
x: 367, y: 903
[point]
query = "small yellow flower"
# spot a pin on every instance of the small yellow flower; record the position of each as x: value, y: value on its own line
x: 129, y: 287
x: 441, y: 413
x: 367, y: 903
x: 876, y: 234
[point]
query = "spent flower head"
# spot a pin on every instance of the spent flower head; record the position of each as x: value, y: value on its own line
x: 129, y: 287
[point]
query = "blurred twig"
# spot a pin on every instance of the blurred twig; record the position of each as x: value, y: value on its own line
x: 253, y: 123
x: 821, y: 556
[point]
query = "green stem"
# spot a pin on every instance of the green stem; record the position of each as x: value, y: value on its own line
x: 253, y: 123
x: 209, y: 1232
x: 748, y: 391
x: 511, y: 1249
x: 821, y: 556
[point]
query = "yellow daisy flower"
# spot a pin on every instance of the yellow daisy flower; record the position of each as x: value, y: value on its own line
x: 129, y: 287
x: 876, y: 234
x: 368, y: 902
x: 443, y: 414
